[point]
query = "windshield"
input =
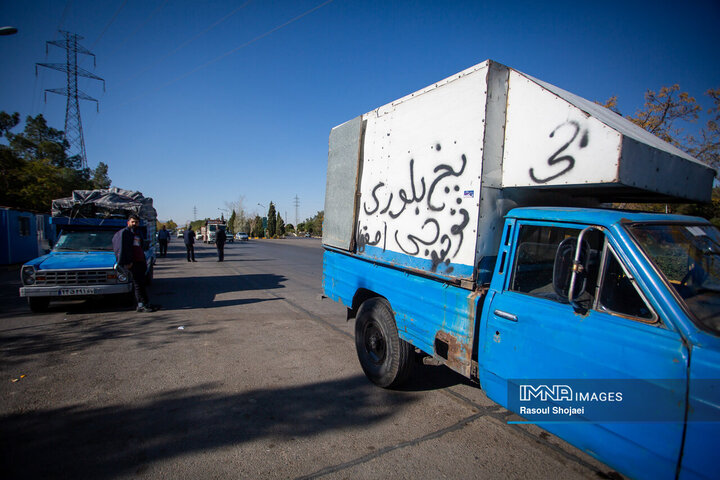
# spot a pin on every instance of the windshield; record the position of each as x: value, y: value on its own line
x: 99, y: 240
x: 689, y: 256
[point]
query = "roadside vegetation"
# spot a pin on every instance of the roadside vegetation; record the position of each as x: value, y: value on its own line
x: 35, y: 167
x: 678, y: 118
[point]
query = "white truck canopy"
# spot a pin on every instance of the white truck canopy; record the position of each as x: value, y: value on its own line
x: 424, y: 181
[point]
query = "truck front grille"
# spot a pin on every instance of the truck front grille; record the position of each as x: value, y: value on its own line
x: 74, y: 277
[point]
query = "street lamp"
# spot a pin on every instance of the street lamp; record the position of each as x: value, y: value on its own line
x: 8, y: 30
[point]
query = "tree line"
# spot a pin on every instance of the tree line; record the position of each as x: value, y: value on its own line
x: 272, y: 225
x: 35, y: 167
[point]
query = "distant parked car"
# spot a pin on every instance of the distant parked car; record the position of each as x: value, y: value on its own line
x: 307, y: 235
x: 230, y: 238
x: 241, y: 236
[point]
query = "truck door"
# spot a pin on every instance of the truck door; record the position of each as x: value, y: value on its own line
x: 699, y: 458
x: 531, y: 332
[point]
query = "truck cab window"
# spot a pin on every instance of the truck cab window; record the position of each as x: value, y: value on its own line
x: 535, y: 259
x: 687, y: 256
x: 618, y: 293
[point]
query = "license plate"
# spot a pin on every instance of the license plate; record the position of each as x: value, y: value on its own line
x: 76, y: 291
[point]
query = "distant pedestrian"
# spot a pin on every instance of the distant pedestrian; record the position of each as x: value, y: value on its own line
x: 129, y: 252
x: 220, y: 238
x: 189, y: 237
x: 163, y: 239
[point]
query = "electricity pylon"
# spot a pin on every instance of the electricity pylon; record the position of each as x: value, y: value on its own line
x: 73, y: 125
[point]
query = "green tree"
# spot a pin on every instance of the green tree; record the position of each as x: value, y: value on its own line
x: 231, y: 223
x: 12, y: 177
x: 313, y: 225
x: 8, y: 122
x: 100, y: 178
x: 42, y: 142
x: 35, y: 167
x: 170, y: 224
x: 272, y: 221
x: 280, y: 225
x: 257, y: 227
x: 198, y: 224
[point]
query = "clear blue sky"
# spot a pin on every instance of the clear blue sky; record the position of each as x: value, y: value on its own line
x: 210, y: 101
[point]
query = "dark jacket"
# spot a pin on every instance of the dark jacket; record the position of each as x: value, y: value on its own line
x: 220, y: 237
x: 123, y: 245
x: 189, y: 237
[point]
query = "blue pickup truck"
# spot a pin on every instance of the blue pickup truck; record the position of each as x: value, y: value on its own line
x: 82, y: 263
x: 466, y: 224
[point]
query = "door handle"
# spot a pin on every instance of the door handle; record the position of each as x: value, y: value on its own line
x: 506, y: 315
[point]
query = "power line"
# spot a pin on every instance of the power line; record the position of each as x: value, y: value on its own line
x: 187, y: 42
x: 230, y: 52
x: 145, y: 22
x: 117, y: 12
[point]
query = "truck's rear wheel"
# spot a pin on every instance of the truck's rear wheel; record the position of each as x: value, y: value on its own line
x: 385, y: 358
x: 38, y: 304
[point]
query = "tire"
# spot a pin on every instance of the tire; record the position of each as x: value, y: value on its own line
x: 386, y: 359
x: 38, y: 304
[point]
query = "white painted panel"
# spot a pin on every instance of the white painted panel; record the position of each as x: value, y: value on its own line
x: 549, y: 141
x: 420, y: 187
x: 342, y: 179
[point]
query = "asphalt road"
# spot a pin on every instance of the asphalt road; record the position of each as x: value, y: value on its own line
x: 244, y: 373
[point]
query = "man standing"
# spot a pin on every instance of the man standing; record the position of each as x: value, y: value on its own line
x: 220, y: 238
x: 129, y: 252
x: 163, y: 239
x: 189, y: 237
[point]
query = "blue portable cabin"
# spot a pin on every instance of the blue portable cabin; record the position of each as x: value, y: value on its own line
x: 23, y: 235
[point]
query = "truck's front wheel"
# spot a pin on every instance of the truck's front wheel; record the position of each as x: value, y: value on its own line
x: 385, y: 358
x: 38, y: 304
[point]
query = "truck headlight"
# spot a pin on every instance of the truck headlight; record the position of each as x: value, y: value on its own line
x: 28, y: 275
x: 122, y: 274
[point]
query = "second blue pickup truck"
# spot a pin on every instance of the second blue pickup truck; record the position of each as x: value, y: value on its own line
x: 82, y: 263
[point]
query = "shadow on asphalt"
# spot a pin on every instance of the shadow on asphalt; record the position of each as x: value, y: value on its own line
x: 172, y: 293
x: 121, y: 440
x: 175, y: 293
x: 76, y: 333
x: 433, y: 377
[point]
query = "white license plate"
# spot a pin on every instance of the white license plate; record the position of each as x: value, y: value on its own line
x: 76, y: 291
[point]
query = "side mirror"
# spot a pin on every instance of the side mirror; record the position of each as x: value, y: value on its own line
x: 569, y: 270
